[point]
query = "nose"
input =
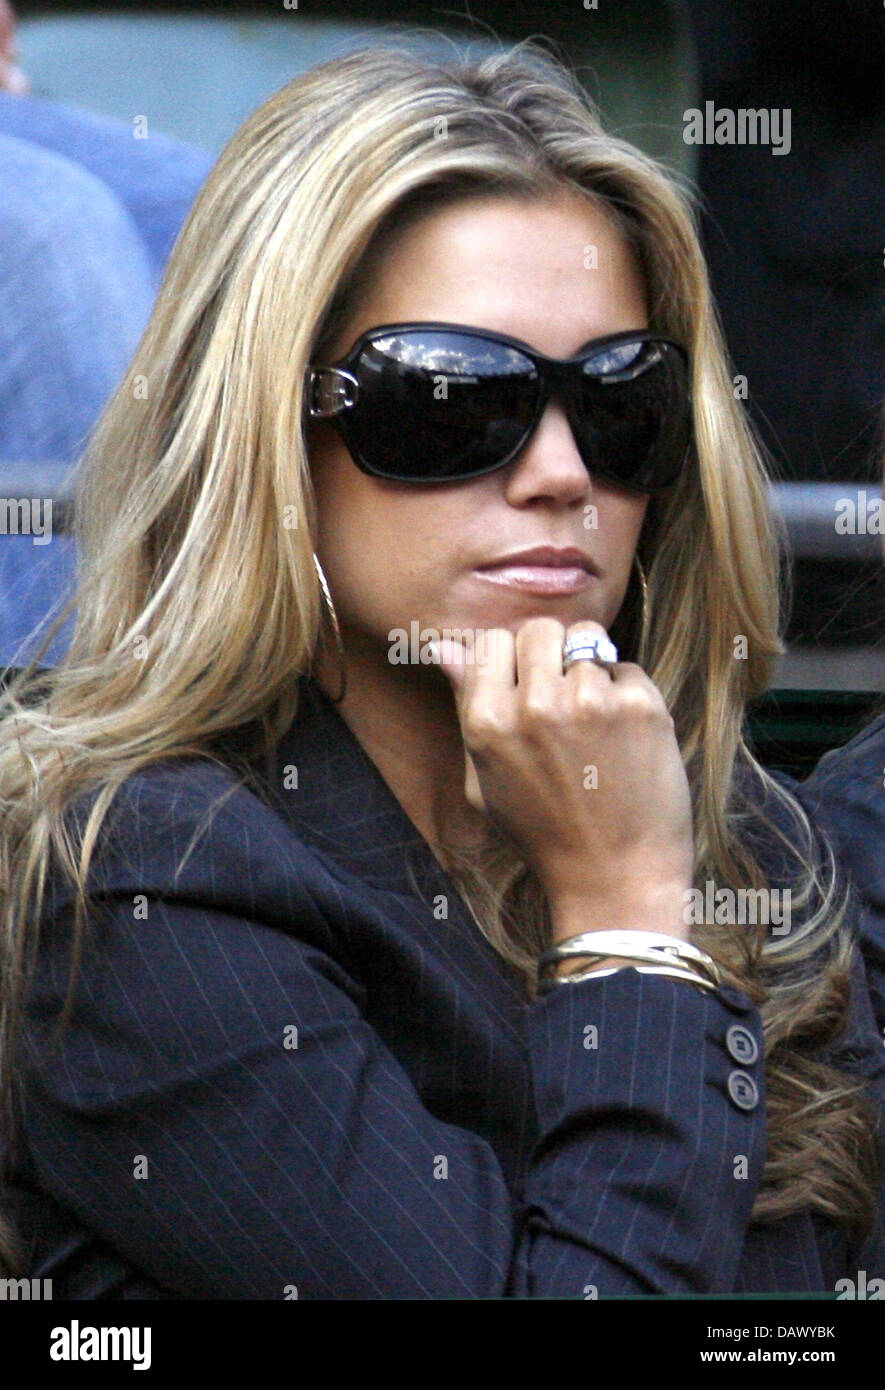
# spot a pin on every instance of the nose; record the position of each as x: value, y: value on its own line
x: 549, y: 466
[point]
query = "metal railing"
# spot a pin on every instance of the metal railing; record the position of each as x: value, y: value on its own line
x: 832, y: 521
x: 825, y: 521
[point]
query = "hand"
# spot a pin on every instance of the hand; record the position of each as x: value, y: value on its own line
x: 584, y: 772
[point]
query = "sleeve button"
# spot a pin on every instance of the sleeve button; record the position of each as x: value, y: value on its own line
x: 741, y: 1044
x: 743, y: 1090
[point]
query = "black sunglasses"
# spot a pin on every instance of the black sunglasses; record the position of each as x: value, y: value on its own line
x: 440, y: 402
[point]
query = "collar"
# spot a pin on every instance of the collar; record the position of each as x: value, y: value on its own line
x: 341, y: 804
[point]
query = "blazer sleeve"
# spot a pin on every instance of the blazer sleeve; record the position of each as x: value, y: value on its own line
x: 220, y: 1111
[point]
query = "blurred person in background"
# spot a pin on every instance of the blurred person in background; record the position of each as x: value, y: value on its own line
x: 88, y: 215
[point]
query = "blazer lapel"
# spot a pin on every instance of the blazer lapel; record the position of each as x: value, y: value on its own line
x: 331, y: 792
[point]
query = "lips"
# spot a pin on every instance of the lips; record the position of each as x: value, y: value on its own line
x: 543, y: 557
x: 543, y: 571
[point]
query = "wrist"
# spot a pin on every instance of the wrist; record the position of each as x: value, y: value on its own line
x: 663, y: 911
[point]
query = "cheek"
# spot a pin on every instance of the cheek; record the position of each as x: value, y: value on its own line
x: 348, y: 515
x: 620, y: 523
x: 620, y: 518
x: 383, y: 547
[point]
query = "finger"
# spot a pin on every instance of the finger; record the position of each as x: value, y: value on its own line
x: 490, y: 680
x: 454, y: 660
x: 451, y: 657
x: 631, y: 678
x: 586, y: 671
x: 485, y: 671
x: 540, y: 655
x: 472, y: 787
x: 578, y: 635
x: 539, y: 660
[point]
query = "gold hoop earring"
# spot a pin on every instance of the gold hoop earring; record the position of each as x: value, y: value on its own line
x: 339, y: 645
x: 646, y: 609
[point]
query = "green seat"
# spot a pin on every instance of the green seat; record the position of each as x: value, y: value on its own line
x: 790, y: 730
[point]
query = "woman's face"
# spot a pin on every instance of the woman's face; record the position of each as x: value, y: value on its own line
x: 394, y: 553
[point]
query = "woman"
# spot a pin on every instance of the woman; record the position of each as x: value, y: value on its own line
x: 308, y: 1052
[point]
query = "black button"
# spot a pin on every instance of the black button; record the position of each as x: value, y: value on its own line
x: 741, y: 1044
x: 743, y: 1090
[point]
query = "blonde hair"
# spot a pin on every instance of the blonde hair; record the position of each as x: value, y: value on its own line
x: 198, y: 604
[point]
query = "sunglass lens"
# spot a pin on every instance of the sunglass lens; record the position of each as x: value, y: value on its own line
x: 438, y: 405
x: 634, y: 421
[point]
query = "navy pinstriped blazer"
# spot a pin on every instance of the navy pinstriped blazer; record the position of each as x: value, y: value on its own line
x: 287, y: 1070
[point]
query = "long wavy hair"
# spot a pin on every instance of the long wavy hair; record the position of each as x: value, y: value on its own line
x: 198, y: 606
